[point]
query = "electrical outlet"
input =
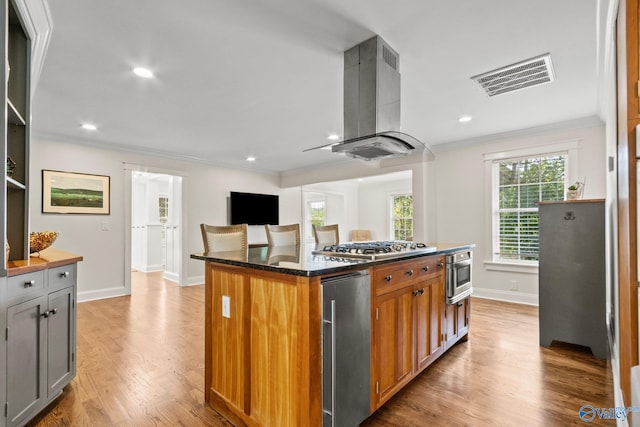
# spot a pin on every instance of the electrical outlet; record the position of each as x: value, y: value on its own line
x: 226, y: 306
x: 514, y: 285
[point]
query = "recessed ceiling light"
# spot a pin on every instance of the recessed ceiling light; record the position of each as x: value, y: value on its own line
x: 143, y: 72
x: 465, y: 119
x: 333, y: 137
x: 89, y: 126
x: 251, y: 159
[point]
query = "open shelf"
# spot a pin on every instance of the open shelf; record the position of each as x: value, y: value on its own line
x: 15, y: 185
x: 14, y: 116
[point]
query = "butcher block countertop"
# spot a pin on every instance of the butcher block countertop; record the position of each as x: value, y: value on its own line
x: 48, y: 258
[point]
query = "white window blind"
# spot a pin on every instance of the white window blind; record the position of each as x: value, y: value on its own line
x: 519, y: 184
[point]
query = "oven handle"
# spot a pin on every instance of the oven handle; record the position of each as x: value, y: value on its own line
x: 457, y: 264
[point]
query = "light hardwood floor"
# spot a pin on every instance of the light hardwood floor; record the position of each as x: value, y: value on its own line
x: 140, y: 363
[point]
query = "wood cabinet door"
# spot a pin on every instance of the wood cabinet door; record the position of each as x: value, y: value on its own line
x: 392, y: 344
x: 450, y: 325
x: 456, y: 323
x: 428, y: 303
x: 464, y: 311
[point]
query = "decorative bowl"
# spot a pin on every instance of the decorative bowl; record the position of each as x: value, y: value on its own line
x: 39, y: 241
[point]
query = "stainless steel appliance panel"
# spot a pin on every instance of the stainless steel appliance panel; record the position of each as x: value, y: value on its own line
x: 346, y: 347
x: 458, y: 276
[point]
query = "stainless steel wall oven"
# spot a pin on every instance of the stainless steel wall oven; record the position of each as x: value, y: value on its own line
x: 458, y: 276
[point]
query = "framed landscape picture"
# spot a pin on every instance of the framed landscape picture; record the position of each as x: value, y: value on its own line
x: 75, y: 193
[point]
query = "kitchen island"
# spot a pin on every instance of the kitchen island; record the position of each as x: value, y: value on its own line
x: 264, y: 328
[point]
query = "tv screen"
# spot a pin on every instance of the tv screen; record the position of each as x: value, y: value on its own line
x: 254, y: 209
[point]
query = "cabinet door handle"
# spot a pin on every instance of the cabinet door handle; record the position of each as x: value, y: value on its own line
x: 53, y: 311
x: 416, y: 292
x: 421, y: 291
x: 45, y: 314
x: 459, y: 304
x: 64, y: 274
x: 388, y: 278
x: 425, y: 269
x: 29, y: 284
x: 410, y: 272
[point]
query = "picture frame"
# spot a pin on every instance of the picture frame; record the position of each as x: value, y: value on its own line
x: 75, y: 193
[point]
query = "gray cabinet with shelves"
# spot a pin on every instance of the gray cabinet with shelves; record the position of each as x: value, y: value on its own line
x: 16, y: 95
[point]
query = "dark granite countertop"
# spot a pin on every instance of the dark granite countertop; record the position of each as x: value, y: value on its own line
x: 300, y: 261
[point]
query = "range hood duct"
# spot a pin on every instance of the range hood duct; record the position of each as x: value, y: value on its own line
x: 372, y: 104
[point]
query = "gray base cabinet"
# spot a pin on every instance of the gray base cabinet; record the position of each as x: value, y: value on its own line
x: 572, y: 274
x: 40, y: 340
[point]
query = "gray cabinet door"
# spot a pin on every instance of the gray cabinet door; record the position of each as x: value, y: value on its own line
x: 26, y: 341
x: 60, y: 344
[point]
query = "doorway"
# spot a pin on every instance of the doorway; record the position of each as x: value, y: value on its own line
x: 155, y: 228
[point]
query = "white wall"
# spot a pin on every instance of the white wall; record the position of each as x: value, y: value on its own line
x: 374, y: 208
x: 341, y: 198
x: 101, y: 274
x: 462, y: 212
x: 422, y: 184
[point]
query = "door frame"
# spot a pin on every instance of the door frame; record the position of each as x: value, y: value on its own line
x: 129, y: 168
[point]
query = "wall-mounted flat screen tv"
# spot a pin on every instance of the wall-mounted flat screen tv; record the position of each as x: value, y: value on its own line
x: 254, y: 209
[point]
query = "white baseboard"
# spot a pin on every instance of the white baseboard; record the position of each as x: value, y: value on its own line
x: 101, y: 294
x: 167, y: 275
x: 509, y: 296
x: 195, y: 280
x: 151, y: 268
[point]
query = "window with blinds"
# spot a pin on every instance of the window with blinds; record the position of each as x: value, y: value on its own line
x: 518, y: 186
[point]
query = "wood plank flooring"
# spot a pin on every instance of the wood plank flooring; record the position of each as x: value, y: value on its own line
x: 140, y: 363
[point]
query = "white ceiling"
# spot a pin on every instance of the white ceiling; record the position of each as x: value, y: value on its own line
x: 264, y: 78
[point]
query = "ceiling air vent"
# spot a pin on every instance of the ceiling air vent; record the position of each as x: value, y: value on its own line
x: 528, y: 73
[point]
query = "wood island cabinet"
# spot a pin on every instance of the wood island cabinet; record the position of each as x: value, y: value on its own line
x: 407, y: 322
x: 266, y: 326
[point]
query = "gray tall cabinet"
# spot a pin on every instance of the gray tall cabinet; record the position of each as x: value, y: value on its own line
x: 37, y: 294
x: 572, y: 274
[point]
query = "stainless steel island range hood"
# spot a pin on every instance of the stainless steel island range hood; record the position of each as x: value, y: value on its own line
x: 372, y: 104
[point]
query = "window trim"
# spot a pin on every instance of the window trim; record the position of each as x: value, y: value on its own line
x: 571, y: 147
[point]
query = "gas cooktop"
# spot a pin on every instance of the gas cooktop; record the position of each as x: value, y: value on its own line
x: 374, y: 249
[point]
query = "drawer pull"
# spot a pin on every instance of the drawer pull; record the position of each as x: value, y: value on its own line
x: 49, y: 313
x: 29, y: 284
x: 440, y: 264
x: 410, y: 272
x: 388, y: 278
x: 425, y: 269
x: 64, y: 274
